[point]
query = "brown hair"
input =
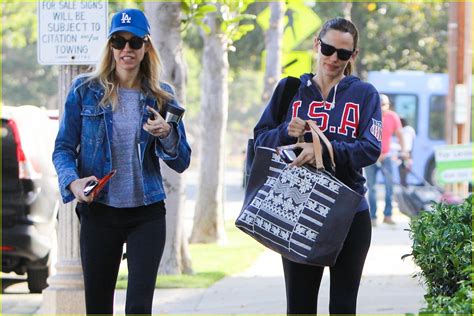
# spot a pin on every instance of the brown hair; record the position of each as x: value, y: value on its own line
x: 342, y: 25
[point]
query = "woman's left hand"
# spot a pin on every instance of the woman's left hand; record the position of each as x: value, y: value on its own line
x: 157, y: 126
x: 306, y: 155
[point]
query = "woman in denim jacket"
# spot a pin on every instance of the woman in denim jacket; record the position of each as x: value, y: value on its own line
x: 113, y: 119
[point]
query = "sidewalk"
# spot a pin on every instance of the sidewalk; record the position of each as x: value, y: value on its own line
x: 387, y: 285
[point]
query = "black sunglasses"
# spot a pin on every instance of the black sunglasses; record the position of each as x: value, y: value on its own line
x: 342, y: 54
x: 118, y: 42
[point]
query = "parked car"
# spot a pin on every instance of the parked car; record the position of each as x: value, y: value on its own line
x: 30, y: 194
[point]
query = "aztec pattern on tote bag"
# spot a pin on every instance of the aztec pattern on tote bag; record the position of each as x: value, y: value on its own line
x: 298, y: 212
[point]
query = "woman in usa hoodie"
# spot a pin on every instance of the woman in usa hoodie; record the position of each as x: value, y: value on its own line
x: 348, y: 111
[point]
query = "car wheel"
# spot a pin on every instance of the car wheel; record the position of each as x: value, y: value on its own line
x: 37, y: 279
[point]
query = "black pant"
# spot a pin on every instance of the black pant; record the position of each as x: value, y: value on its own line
x: 302, y: 281
x: 104, y: 230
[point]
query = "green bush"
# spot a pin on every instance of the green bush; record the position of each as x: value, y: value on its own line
x: 442, y: 248
x: 460, y: 302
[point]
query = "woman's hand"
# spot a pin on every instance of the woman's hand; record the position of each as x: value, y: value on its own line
x: 77, y: 188
x: 296, y: 127
x: 306, y: 155
x: 157, y: 127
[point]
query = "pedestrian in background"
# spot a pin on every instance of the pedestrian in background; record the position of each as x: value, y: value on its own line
x: 409, y: 135
x: 391, y: 125
x: 347, y: 111
x: 113, y: 120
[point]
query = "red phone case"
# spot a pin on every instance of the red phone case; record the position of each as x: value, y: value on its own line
x: 102, y: 182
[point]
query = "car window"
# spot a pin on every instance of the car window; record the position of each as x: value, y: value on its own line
x: 437, y: 108
x: 406, y: 106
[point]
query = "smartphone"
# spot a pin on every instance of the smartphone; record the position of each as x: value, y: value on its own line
x: 89, y: 187
x: 96, y: 186
x: 288, y: 155
x: 289, y: 152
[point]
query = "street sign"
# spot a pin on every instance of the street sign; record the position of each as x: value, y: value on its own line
x: 454, y: 163
x: 293, y: 63
x: 71, y: 32
x: 296, y: 63
x: 460, y: 104
x: 300, y: 22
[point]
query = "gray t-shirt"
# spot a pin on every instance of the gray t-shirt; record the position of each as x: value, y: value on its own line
x: 126, y: 187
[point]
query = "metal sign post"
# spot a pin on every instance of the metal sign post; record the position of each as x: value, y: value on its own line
x: 70, y: 34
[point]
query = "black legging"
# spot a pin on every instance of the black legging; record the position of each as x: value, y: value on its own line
x: 104, y: 230
x: 302, y: 281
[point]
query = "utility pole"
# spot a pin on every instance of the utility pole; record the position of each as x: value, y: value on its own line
x: 459, y: 104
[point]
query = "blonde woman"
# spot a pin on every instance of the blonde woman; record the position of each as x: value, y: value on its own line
x: 113, y: 120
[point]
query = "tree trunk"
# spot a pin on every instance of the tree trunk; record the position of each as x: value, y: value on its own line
x: 208, y: 217
x: 346, y: 10
x: 273, y: 42
x: 357, y: 13
x: 165, y: 31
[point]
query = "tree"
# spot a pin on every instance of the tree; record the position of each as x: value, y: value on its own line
x: 273, y: 41
x: 165, y: 22
x: 346, y: 10
x: 20, y: 68
x: 397, y: 35
x: 221, y: 27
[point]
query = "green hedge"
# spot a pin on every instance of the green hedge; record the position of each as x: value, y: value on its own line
x: 442, y: 248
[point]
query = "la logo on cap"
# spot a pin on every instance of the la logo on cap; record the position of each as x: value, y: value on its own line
x: 126, y: 18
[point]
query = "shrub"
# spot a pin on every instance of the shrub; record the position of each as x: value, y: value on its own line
x: 460, y: 302
x: 442, y: 248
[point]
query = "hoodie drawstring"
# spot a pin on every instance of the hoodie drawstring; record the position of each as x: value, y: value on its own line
x: 333, y: 104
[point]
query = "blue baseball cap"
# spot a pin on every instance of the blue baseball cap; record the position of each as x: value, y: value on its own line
x: 130, y: 20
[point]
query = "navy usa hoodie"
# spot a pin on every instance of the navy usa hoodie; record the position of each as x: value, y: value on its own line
x: 350, y: 118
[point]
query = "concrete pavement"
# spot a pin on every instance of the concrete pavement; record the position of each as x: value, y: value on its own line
x: 387, y: 286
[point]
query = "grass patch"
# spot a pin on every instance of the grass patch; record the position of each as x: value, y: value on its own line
x: 211, y: 262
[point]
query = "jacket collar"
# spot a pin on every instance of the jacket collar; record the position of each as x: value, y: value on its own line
x: 98, y: 90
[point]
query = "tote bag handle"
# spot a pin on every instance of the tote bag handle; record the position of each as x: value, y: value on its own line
x: 319, y: 136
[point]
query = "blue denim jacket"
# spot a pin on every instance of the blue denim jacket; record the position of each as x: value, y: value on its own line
x: 84, y: 140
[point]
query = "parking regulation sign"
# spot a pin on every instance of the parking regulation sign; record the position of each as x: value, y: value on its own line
x: 71, y: 32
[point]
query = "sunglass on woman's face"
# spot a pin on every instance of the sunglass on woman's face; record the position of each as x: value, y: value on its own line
x: 118, y: 42
x: 328, y: 50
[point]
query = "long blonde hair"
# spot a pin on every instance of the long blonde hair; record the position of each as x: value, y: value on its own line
x: 149, y: 75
